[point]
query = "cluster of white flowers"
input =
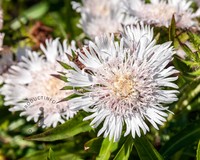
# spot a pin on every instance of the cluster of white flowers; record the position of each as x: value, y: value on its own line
x: 99, y: 17
x: 32, y: 78
x: 126, y: 81
x: 160, y: 12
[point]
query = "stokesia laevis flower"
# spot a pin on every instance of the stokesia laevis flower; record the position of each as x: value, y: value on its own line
x: 124, y: 82
x: 160, y: 12
x: 30, y: 88
x: 99, y: 17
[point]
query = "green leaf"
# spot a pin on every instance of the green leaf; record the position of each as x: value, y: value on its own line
x: 93, y: 145
x: 125, y: 150
x: 195, y: 73
x: 145, y: 149
x: 70, y: 128
x: 51, y: 155
x: 63, y: 78
x: 188, y: 93
x: 198, y: 151
x: 195, y: 39
x: 35, y: 12
x: 70, y: 97
x: 172, y: 29
x: 183, y: 139
x: 107, y: 148
x: 38, y: 155
x: 187, y: 50
x: 64, y: 65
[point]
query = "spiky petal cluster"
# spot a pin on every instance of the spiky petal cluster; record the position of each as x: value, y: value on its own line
x: 160, y: 12
x: 125, y: 82
x: 98, y: 17
x: 30, y: 88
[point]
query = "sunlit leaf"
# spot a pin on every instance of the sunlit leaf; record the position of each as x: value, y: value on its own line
x: 64, y: 65
x: 70, y: 128
x: 125, y: 150
x: 198, y: 151
x: 107, y: 148
x: 51, y: 155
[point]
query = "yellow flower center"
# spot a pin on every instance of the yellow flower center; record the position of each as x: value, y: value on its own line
x: 53, y: 86
x: 122, y: 85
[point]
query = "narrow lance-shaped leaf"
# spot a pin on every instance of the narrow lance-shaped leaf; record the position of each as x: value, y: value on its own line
x: 125, y: 150
x: 189, y: 92
x: 172, y: 29
x: 184, y: 138
x: 64, y: 65
x: 198, y: 151
x: 146, y: 150
x: 93, y: 145
x: 70, y: 128
x: 51, y: 155
x: 187, y: 50
x: 107, y: 148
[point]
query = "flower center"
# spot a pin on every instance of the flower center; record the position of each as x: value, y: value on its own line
x: 122, y: 85
x: 46, y: 85
x: 53, y: 86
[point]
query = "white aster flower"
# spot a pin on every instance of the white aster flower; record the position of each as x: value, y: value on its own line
x: 30, y: 88
x: 160, y: 12
x: 99, y: 17
x: 125, y: 83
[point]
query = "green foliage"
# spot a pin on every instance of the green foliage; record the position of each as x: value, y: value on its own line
x: 145, y: 149
x: 178, y: 138
x: 107, y: 148
x: 184, y: 138
x: 125, y: 150
x: 69, y: 129
x: 172, y: 29
x: 198, y: 151
x: 51, y: 155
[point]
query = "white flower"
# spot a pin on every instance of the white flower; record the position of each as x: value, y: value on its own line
x: 30, y: 88
x: 98, y: 17
x: 160, y: 12
x: 124, y: 82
